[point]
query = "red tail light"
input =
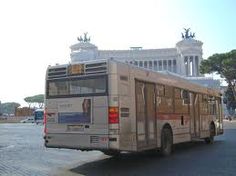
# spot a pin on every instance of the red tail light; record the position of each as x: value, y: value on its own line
x: 113, y: 115
x: 45, y: 120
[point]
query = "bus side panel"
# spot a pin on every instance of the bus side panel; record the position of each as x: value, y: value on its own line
x: 127, y: 137
x: 211, y: 112
x: 145, y: 110
x: 172, y: 110
x: 126, y: 106
x: 220, y: 117
x: 204, y: 125
x: 180, y: 132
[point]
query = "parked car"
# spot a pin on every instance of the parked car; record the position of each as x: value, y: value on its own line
x: 28, y: 120
x: 3, y: 118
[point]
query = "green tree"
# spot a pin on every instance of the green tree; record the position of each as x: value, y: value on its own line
x: 223, y: 64
x: 9, y: 107
x: 38, y: 99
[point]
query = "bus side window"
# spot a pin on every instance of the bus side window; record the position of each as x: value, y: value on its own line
x: 204, y: 104
x: 212, y: 105
x: 168, y: 92
x: 181, y: 101
x: 164, y: 99
x: 160, y: 90
x: 177, y: 93
x: 169, y: 99
x: 185, y: 96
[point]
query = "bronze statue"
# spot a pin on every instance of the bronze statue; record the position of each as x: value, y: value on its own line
x: 85, y: 39
x: 80, y: 39
x: 187, y: 34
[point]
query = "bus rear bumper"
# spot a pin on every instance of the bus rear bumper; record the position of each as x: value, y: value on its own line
x: 77, y: 141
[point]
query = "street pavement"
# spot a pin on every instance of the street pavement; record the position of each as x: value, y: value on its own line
x: 22, y: 153
x: 189, y: 159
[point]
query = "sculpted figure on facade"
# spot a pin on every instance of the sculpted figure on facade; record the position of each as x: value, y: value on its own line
x: 84, y: 39
x: 187, y: 34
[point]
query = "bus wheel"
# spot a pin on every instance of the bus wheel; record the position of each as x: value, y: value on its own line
x: 111, y: 153
x: 210, y: 140
x: 166, y: 142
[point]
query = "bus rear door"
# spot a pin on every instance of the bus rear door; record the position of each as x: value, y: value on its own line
x: 145, y: 114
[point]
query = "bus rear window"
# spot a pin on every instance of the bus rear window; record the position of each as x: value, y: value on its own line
x: 87, y: 86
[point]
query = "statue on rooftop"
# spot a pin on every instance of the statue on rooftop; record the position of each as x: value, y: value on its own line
x: 187, y: 34
x: 84, y: 39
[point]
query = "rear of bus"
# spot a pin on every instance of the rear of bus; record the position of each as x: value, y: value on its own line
x: 77, y: 110
x: 38, y: 116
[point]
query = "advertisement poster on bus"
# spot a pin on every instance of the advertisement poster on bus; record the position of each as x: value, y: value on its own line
x: 79, y: 112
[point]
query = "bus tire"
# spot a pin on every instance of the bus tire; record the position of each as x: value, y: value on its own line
x: 210, y: 139
x: 166, y: 141
x: 111, y: 153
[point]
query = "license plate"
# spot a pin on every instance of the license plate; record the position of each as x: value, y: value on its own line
x: 75, y: 127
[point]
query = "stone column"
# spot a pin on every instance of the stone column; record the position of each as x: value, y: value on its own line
x: 194, y: 67
x: 188, y: 66
x: 191, y: 66
x: 175, y: 66
x: 197, y: 65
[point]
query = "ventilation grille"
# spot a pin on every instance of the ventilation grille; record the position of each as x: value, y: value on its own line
x: 96, y: 68
x: 124, y: 112
x: 89, y: 69
x: 57, y: 72
x: 94, y: 139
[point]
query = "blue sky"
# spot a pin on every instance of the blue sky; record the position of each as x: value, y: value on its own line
x: 38, y: 33
x: 213, y: 22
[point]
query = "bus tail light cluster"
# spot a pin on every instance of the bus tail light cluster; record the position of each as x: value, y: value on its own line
x: 113, y: 115
x: 45, y: 120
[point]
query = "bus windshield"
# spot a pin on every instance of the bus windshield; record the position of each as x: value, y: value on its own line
x: 69, y: 87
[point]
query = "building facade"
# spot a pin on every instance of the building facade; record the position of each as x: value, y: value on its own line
x: 184, y: 59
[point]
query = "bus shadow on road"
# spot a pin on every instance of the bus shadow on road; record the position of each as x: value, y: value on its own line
x: 148, y: 163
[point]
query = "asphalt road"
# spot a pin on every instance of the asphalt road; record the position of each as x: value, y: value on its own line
x: 190, y: 159
x: 22, y: 153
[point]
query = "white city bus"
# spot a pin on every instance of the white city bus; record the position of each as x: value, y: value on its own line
x: 112, y: 106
